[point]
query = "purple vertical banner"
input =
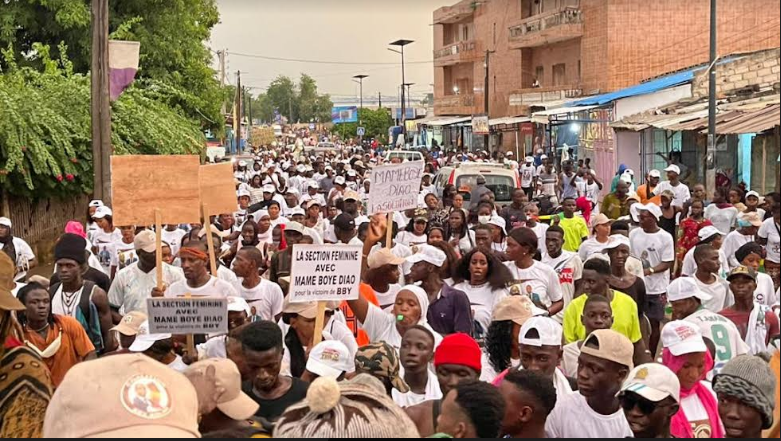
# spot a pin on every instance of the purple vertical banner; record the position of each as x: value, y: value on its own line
x: 123, y: 64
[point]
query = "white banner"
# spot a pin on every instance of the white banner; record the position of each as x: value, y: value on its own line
x: 325, y: 272
x: 195, y: 315
x: 395, y: 187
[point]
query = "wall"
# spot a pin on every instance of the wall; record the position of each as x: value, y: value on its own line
x: 761, y: 69
x: 594, y: 47
x: 628, y: 152
x: 638, y: 104
x: 567, y: 52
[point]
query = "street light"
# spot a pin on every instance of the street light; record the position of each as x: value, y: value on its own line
x: 409, y: 94
x: 360, y: 120
x: 401, y: 43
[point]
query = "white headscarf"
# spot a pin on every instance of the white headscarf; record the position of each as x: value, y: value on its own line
x: 422, y: 296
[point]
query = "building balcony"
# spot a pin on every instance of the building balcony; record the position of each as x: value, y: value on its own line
x: 533, y: 96
x: 556, y: 26
x: 455, y: 13
x: 454, y: 105
x: 460, y: 52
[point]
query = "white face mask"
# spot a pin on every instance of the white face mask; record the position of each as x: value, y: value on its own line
x: 483, y: 220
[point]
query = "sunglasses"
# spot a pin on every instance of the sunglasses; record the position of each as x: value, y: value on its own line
x: 630, y: 401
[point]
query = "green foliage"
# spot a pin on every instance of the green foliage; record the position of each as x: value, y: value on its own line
x: 45, y: 126
x: 299, y: 103
x: 376, y: 122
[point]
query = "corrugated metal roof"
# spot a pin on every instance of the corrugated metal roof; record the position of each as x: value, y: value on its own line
x: 543, y: 116
x: 738, y: 119
x: 448, y: 121
x: 509, y: 120
x: 750, y: 122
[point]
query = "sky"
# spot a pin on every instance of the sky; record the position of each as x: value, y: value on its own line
x: 345, y: 31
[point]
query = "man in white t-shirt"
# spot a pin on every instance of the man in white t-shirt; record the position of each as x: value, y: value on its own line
x: 708, y: 279
x: 679, y: 189
x: 748, y: 225
x: 24, y: 256
x: 687, y: 303
x: 769, y: 235
x: 567, y: 265
x: 656, y: 249
x: 172, y: 235
x: 263, y: 295
x: 529, y: 177
x: 604, y: 363
x: 198, y: 282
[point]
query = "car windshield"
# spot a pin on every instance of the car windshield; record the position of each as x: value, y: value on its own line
x: 502, y: 186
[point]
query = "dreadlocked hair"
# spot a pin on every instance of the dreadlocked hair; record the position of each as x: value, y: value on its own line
x: 498, y: 342
x: 23, y: 293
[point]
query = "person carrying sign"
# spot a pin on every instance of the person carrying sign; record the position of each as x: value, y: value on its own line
x: 198, y: 282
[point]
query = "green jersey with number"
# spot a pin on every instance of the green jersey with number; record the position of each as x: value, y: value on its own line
x: 724, y: 335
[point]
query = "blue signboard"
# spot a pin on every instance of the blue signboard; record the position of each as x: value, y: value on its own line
x: 410, y: 111
x: 344, y: 114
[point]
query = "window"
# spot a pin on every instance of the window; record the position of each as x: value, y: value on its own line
x: 539, y: 72
x: 559, y: 74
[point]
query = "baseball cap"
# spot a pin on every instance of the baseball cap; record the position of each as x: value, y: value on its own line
x: 313, y: 184
x: 238, y: 304
x: 509, y: 154
x: 352, y: 173
x: 654, y: 174
x: 549, y: 330
x: 685, y: 288
x: 243, y: 192
x: 617, y: 239
x: 682, y: 337
x: 329, y: 358
x: 312, y: 203
x: 544, y: 157
x: 498, y: 221
x: 601, y: 219
x: 459, y: 349
x: 654, y: 382
x: 673, y: 168
x: 339, y: 180
x: 5, y: 222
x: 141, y: 398
x: 708, y: 232
x: 8, y: 300
x: 294, y: 227
x: 742, y: 270
x: 383, y: 257
x: 651, y: 208
x: 96, y: 203
x: 359, y: 164
x: 130, y: 323
x: 751, y: 218
x: 102, y: 212
x: 344, y: 222
x: 380, y: 361
x: 298, y: 211
x: 301, y: 168
x: 145, y: 241
x: 517, y: 309
x: 351, y: 195
x: 145, y: 340
x: 293, y: 190
x: 269, y: 188
x: 529, y: 159
x: 427, y: 253
x: 752, y: 193
x: 611, y: 346
x: 232, y: 401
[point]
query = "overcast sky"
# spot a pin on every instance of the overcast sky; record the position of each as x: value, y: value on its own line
x: 349, y: 31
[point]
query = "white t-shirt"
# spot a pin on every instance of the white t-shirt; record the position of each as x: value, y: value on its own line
x: 723, y: 333
x: 724, y: 219
x: 653, y: 249
x: 590, y: 191
x: 24, y: 255
x: 103, y: 242
x: 721, y: 296
x: 123, y: 255
x: 769, y: 231
x: 466, y: 243
x: 540, y: 229
x: 381, y: 326
x: 569, y: 360
x: 225, y: 273
x: 681, y: 192
x: 266, y: 298
x: 488, y: 374
x: 765, y: 294
x: 569, y: 267
x: 483, y: 300
x: 573, y: 418
x: 174, y: 239
x: 432, y: 392
x: 131, y: 286
x: 410, y: 239
x: 540, y: 282
x: 388, y: 299
x: 213, y: 288
x: 695, y: 412
x: 591, y: 246
x: 528, y: 172
x: 732, y: 243
x: 690, y: 265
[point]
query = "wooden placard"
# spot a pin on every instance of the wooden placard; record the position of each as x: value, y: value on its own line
x: 218, y: 188
x: 142, y: 184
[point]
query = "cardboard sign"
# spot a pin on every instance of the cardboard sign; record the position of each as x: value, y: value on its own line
x: 480, y: 125
x: 218, y: 188
x: 325, y: 272
x: 194, y: 315
x: 395, y: 187
x: 142, y: 184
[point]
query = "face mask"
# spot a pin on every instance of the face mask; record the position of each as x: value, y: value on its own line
x: 483, y: 220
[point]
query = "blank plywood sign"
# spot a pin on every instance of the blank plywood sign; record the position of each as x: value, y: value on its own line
x: 218, y: 188
x: 141, y: 184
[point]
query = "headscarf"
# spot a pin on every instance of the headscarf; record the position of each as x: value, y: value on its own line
x: 75, y: 227
x: 423, y: 301
x: 680, y: 426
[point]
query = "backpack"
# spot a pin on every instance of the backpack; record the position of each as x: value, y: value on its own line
x: 86, y: 314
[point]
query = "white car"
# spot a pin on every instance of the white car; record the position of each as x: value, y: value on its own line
x: 501, y: 179
x: 405, y: 155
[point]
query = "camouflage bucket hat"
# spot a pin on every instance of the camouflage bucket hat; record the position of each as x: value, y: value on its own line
x: 380, y: 361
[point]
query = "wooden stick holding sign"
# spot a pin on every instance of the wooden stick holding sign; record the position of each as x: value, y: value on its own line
x: 319, y: 323
x: 207, y: 225
x: 218, y: 196
x: 159, y: 249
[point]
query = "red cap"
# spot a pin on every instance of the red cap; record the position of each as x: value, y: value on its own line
x: 459, y: 349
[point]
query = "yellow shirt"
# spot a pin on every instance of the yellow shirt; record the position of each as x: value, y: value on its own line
x: 575, y: 229
x: 625, y: 320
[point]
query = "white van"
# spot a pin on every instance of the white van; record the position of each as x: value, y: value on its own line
x: 501, y: 179
x: 405, y: 155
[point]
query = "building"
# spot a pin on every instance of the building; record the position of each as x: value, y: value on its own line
x: 544, y: 53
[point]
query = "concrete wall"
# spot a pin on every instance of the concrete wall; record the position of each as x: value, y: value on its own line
x: 760, y: 69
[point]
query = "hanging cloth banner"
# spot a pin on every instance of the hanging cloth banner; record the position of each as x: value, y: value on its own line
x: 123, y: 59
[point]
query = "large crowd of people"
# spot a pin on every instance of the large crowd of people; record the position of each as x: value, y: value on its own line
x: 631, y: 308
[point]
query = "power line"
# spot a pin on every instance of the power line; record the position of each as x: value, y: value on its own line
x: 352, y: 63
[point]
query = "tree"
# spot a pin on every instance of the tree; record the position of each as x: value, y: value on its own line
x: 282, y: 97
x: 376, y: 122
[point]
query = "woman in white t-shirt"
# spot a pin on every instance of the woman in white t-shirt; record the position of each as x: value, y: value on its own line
x: 686, y: 354
x: 458, y: 233
x: 104, y: 237
x: 721, y: 213
x: 769, y: 235
x: 532, y: 278
x: 484, y: 280
x: 599, y: 241
x: 410, y: 309
x: 416, y: 231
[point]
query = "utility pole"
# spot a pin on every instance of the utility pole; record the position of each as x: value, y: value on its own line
x: 486, y: 138
x: 248, y: 111
x: 100, y: 105
x: 379, y: 96
x: 711, y: 156
x: 239, y: 112
x: 401, y: 43
x: 223, y: 109
x: 360, y: 109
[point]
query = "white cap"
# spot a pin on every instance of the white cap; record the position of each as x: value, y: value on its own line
x: 544, y: 157
x: 298, y: 211
x: 682, y: 337
x: 6, y: 222
x: 269, y: 188
x: 626, y: 178
x: 145, y: 340
x: 96, y: 203
x: 549, y: 330
x: 352, y: 173
x: 752, y: 193
x: 707, y: 232
x: 294, y: 226
x: 618, y: 239
x: 655, y: 174
x: 102, y: 212
x: 238, y: 304
x: 654, y: 382
x: 313, y: 184
x: 243, y: 192
x: 498, y: 221
x: 673, y: 168
x: 330, y: 358
x: 651, y: 208
x: 509, y: 154
x: 301, y: 168
x: 339, y: 180
x: 685, y: 288
x: 427, y: 253
x: 529, y: 159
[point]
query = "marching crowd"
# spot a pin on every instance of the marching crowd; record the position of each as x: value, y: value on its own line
x: 580, y: 309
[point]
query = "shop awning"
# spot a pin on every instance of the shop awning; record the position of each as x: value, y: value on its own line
x: 509, y: 120
x: 750, y: 122
x: 448, y: 121
x: 543, y: 117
